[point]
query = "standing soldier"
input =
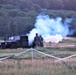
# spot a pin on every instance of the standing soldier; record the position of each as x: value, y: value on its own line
x: 41, y: 41
x: 36, y: 40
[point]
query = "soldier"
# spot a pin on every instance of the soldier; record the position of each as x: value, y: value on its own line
x: 41, y: 41
x: 36, y: 40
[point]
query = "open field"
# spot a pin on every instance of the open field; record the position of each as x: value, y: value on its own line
x: 41, y: 64
x: 37, y: 67
x: 59, y: 52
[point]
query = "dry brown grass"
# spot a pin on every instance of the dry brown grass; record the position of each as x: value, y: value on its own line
x: 38, y: 67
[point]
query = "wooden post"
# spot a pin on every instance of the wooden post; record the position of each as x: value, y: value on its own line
x: 32, y: 53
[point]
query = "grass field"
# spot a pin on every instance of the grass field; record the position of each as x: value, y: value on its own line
x: 40, y: 65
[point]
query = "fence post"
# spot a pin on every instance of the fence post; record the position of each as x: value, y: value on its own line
x: 32, y: 53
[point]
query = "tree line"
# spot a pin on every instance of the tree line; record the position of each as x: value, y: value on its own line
x: 19, y: 16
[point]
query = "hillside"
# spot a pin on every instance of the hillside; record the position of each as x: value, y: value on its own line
x: 19, y: 16
x: 37, y: 4
x: 57, y: 4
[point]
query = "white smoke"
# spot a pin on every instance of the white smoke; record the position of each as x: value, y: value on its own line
x: 53, y: 38
x: 51, y: 29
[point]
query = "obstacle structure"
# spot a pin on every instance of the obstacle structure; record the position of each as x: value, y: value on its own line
x: 32, y: 54
x: 32, y: 50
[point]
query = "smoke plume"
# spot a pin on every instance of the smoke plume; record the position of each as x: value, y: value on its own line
x: 52, y: 29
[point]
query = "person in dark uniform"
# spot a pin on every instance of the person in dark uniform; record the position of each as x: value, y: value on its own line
x: 36, y: 40
x: 41, y: 41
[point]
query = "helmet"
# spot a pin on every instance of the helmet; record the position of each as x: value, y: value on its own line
x: 36, y: 33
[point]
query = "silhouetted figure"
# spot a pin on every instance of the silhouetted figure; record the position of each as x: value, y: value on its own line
x: 36, y: 40
x: 41, y: 41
